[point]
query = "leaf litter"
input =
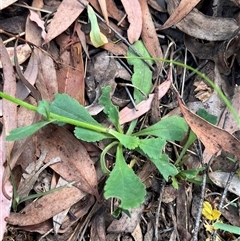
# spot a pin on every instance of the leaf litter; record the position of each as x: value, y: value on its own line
x: 68, y: 60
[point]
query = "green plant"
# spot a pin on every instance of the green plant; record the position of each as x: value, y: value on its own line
x: 122, y: 182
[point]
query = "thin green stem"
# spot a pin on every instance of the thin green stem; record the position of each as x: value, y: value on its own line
x: 102, y: 157
x: 202, y: 75
x: 56, y: 117
x: 131, y: 127
x: 18, y: 102
x: 84, y: 125
x: 210, y: 82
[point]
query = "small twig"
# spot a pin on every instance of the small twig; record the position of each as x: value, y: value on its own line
x: 223, y: 197
x: 200, y: 66
x: 158, y: 211
x: 198, y: 218
x: 127, y: 90
x: 131, y: 98
x: 124, y: 65
x: 174, y: 222
x: 32, y: 8
x: 184, y: 73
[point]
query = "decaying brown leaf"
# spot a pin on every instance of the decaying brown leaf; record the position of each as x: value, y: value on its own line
x: 230, y: 123
x: 134, y: 12
x: 213, y: 138
x: 116, y: 49
x: 66, y: 14
x: 9, y: 109
x: 23, y: 53
x: 71, y: 76
x: 203, y: 92
x: 159, y: 6
x: 216, y: 51
x: 47, y: 79
x: 31, y: 175
x: 79, y: 209
x: 125, y: 223
x: 112, y: 9
x: 5, y: 203
x: 46, y: 207
x: 184, y: 7
x: 76, y: 165
x: 32, y: 32
x: 81, y: 37
x: 205, y: 27
x: 98, y: 229
x: 6, y: 3
x: 103, y: 6
x: 30, y: 74
x: 149, y: 35
x: 40, y: 23
x: 220, y: 179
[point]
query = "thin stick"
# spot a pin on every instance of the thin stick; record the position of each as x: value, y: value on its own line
x: 198, y: 218
x: 158, y: 211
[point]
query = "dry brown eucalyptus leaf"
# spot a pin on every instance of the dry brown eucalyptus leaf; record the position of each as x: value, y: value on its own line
x: 76, y: 164
x: 149, y: 35
x: 204, y: 27
x: 134, y: 12
x: 47, y: 80
x: 46, y: 207
x: 70, y: 76
x: 184, y: 7
x: 218, y: 52
x: 220, y: 179
x: 9, y: 109
x: 6, y: 3
x: 66, y: 14
x: 213, y: 138
x: 126, y: 224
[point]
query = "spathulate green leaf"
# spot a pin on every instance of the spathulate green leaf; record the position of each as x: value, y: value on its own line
x: 171, y: 128
x: 124, y: 184
x: 152, y: 147
x: 109, y: 108
x: 165, y: 167
x: 23, y: 132
x: 66, y: 106
x: 142, y: 76
x: 89, y: 135
x: 97, y: 38
x: 130, y: 142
